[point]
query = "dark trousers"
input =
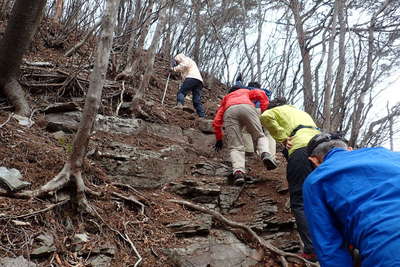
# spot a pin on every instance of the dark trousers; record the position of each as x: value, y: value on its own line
x: 194, y: 85
x: 298, y: 168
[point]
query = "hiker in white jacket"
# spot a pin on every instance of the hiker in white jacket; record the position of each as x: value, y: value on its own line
x: 192, y: 81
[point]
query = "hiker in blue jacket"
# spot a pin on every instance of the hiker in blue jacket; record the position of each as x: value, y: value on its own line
x: 353, y: 198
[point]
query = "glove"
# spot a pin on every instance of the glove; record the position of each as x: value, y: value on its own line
x: 239, y: 77
x: 218, y: 145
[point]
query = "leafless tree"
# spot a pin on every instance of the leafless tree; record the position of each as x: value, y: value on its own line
x: 25, y: 18
x: 72, y: 170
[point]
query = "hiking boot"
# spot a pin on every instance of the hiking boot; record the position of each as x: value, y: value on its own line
x: 269, y: 161
x: 309, y: 256
x: 238, y: 178
x: 178, y: 106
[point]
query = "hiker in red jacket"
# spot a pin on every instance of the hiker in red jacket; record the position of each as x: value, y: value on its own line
x: 237, y: 111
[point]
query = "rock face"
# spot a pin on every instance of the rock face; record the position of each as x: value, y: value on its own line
x: 142, y: 168
x: 16, y: 262
x: 11, y: 178
x: 202, y: 142
x: 220, y: 248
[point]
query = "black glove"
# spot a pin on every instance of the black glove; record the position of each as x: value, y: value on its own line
x: 218, y: 145
x: 239, y: 77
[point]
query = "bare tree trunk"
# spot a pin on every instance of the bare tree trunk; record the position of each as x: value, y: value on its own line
x: 244, y: 36
x: 59, y: 10
x: 72, y: 168
x: 309, y: 105
x: 356, y: 123
x: 21, y: 27
x: 142, y: 21
x: 328, y: 73
x: 258, y: 42
x: 196, y: 49
x: 338, y: 102
x: 150, y: 57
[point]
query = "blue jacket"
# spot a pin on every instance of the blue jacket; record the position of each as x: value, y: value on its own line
x: 353, y: 197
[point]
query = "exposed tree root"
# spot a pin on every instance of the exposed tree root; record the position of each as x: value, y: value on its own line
x: 265, y: 244
x: 65, y: 177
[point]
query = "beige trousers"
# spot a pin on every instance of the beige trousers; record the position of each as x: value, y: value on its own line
x: 237, y: 118
x: 249, y: 145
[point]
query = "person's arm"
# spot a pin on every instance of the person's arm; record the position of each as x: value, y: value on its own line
x: 259, y: 95
x: 270, y: 122
x: 182, y: 65
x: 328, y: 242
x: 219, y: 121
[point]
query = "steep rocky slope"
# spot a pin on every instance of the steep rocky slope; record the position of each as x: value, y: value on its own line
x: 137, y: 164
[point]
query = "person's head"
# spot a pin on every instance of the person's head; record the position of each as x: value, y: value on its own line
x: 276, y: 102
x: 322, y: 143
x: 254, y: 84
x: 233, y: 89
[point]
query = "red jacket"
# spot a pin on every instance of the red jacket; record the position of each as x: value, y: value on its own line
x: 240, y: 96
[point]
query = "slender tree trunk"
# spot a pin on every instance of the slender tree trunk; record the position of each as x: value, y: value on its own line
x: 72, y: 170
x: 150, y: 57
x: 258, y: 42
x: 22, y: 25
x: 338, y: 102
x: 329, y: 70
x: 356, y: 123
x: 196, y: 49
x: 59, y: 10
x: 309, y: 105
x: 137, y: 39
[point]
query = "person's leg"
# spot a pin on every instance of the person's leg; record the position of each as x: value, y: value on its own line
x: 233, y: 136
x: 196, y: 90
x: 297, y: 206
x: 298, y: 168
x: 185, y: 87
x: 251, y: 121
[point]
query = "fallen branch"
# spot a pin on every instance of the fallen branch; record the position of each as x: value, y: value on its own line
x: 132, y: 245
x: 265, y: 244
x: 84, y: 39
x: 122, y: 98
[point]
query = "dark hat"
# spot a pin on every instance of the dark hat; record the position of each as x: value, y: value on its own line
x: 322, y: 138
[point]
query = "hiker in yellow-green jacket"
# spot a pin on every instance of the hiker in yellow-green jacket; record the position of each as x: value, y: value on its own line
x: 294, y: 129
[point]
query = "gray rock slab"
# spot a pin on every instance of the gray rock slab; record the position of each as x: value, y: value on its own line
x: 11, y: 178
x: 67, y: 121
x: 167, y: 131
x: 113, y: 124
x: 200, y: 226
x: 228, y: 197
x: 197, y: 191
x: 205, y: 126
x: 202, y: 142
x: 61, y: 107
x: 142, y: 168
x: 211, y: 169
x: 20, y: 261
x: 44, y: 244
x: 100, y: 261
x: 220, y: 248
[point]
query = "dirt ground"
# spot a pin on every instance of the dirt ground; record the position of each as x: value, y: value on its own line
x: 39, y: 157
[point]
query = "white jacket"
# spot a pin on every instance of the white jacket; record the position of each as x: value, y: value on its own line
x: 187, y: 67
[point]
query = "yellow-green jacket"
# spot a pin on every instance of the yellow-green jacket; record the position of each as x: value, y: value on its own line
x: 282, y: 120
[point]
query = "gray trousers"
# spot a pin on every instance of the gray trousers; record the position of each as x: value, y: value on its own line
x: 237, y: 118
